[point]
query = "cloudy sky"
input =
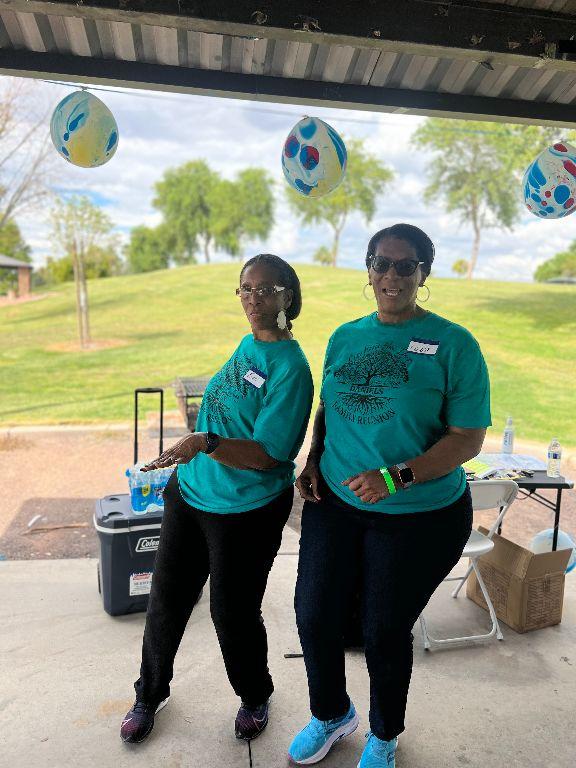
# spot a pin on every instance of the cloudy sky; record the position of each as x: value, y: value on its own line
x: 159, y: 131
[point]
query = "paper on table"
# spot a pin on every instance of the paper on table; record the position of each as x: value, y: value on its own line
x: 480, y: 468
x: 511, y: 461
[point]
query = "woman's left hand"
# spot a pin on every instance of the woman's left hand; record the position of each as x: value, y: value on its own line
x: 180, y: 453
x: 369, y: 486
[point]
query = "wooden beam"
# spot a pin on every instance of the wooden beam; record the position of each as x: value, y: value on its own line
x: 496, y: 33
x: 83, y: 69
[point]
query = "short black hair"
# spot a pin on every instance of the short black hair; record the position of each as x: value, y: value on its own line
x: 288, y: 278
x: 418, y: 239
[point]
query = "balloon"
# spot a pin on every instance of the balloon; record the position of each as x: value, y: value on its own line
x: 314, y: 158
x: 542, y: 542
x: 550, y: 182
x: 83, y: 130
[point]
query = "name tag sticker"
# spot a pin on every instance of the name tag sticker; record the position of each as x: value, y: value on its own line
x: 423, y: 346
x: 255, y: 377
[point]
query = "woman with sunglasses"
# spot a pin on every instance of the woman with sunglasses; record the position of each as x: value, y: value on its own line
x: 228, y: 502
x: 404, y: 401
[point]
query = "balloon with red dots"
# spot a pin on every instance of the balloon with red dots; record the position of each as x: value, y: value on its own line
x: 549, y: 184
x: 314, y: 158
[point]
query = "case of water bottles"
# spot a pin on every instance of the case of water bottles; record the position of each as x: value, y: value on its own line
x: 146, y: 488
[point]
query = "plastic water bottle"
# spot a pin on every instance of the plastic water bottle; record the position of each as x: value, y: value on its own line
x: 508, y: 436
x: 554, y: 456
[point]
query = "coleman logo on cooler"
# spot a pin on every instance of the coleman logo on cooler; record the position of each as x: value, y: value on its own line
x: 147, y: 544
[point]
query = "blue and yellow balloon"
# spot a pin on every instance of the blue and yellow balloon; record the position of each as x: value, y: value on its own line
x: 314, y: 158
x: 83, y: 130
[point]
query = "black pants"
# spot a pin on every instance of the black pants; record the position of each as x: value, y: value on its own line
x: 237, y: 552
x: 401, y: 559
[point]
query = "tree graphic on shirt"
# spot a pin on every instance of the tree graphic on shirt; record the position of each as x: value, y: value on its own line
x: 369, y: 374
x: 233, y: 375
x: 379, y: 364
x: 227, y: 384
x: 216, y: 410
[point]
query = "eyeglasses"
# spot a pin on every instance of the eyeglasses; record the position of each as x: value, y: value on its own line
x: 264, y: 293
x: 403, y: 267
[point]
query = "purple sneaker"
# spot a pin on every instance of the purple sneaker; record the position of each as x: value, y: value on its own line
x: 251, y: 721
x: 139, y: 721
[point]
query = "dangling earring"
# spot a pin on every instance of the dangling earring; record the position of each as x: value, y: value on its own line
x: 423, y: 301
x: 281, y: 320
x: 364, y: 292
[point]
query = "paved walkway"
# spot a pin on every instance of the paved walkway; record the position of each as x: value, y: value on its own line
x: 67, y: 670
x: 67, y: 667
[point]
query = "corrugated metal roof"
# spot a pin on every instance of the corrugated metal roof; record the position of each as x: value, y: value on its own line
x: 67, y: 32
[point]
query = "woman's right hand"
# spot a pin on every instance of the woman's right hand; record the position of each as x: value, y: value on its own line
x: 309, y: 480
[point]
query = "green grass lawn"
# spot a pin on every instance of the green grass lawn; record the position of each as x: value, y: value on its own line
x: 187, y: 321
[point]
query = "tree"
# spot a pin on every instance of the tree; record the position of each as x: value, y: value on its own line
x: 460, y: 267
x: 241, y: 210
x: 98, y: 262
x: 26, y: 152
x: 182, y: 198
x: 323, y: 256
x: 148, y: 249
x: 477, y: 170
x: 12, y: 245
x: 201, y: 210
x: 561, y: 265
x: 365, y: 178
x: 78, y: 228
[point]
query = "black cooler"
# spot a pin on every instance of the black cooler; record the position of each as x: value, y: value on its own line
x: 128, y: 541
x: 128, y: 544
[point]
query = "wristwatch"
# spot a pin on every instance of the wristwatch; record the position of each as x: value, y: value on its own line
x: 212, y: 442
x: 405, y: 475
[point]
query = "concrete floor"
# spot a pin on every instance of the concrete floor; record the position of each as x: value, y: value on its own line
x: 67, y: 670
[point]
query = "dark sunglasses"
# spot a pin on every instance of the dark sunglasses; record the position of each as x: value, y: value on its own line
x: 403, y: 267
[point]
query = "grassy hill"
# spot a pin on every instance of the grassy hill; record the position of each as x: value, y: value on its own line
x: 151, y: 328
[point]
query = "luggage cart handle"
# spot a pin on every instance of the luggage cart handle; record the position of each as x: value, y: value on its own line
x: 146, y: 391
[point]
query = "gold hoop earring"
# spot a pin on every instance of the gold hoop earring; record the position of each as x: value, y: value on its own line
x: 364, y: 292
x: 423, y: 301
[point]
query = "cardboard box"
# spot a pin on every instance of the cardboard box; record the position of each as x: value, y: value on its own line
x: 527, y: 590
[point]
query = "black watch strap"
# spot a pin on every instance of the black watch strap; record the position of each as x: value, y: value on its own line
x: 212, y: 442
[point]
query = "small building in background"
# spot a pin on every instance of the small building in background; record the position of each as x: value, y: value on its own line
x: 24, y: 273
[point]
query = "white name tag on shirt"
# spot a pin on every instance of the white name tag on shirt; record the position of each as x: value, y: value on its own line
x: 423, y: 346
x: 255, y: 377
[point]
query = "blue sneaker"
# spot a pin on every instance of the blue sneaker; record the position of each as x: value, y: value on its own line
x: 378, y: 753
x: 314, y: 742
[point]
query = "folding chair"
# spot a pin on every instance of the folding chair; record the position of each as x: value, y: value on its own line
x: 486, y: 494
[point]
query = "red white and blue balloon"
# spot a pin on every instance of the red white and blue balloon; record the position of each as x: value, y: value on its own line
x: 314, y: 158
x: 550, y: 182
x: 83, y: 130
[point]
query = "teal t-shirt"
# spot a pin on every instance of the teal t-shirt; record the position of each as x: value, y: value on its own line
x: 271, y: 406
x: 390, y: 391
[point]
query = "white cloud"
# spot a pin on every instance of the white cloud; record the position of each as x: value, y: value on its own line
x: 159, y: 131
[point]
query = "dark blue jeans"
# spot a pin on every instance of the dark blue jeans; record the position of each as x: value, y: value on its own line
x: 236, y: 551
x: 400, y: 560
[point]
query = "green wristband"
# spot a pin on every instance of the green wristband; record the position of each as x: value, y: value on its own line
x: 388, y: 479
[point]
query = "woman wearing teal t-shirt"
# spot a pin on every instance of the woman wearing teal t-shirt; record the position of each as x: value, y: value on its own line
x: 404, y: 401
x: 228, y: 502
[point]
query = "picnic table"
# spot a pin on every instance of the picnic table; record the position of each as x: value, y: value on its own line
x: 189, y: 391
